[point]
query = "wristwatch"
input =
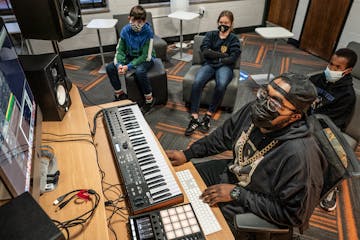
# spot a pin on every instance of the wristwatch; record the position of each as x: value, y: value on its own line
x: 235, y: 193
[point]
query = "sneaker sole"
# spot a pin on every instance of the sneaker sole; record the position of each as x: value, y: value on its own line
x: 328, y: 209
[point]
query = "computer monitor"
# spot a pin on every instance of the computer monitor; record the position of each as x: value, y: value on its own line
x: 17, y: 119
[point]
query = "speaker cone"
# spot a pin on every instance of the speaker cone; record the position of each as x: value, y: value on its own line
x: 70, y: 14
x: 61, y: 95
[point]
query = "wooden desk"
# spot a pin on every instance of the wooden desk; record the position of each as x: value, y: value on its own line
x: 78, y: 170
x: 107, y: 164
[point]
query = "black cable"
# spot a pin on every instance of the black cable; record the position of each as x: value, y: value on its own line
x: 93, y: 131
x: 83, y: 218
x: 89, y: 100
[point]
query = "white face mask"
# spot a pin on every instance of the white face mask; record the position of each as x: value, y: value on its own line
x: 136, y: 27
x: 333, y: 76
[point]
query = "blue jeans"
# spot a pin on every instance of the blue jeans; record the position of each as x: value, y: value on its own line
x: 223, y: 76
x: 140, y: 76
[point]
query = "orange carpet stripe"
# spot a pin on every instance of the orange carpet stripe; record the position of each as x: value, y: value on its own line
x: 328, y: 221
x: 217, y: 115
x: 94, y: 83
x: 250, y: 64
x: 287, y: 65
x: 348, y: 213
x: 260, y: 53
x: 169, y: 126
x: 95, y: 72
x: 159, y: 135
x: 182, y: 64
x: 175, y: 106
x: 90, y: 58
x: 168, y: 129
x: 324, y: 223
x: 320, y: 226
x: 175, y: 67
x: 339, y: 224
x: 71, y: 67
x: 282, y: 65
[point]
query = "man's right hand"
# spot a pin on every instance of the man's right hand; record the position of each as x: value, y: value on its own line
x: 176, y: 157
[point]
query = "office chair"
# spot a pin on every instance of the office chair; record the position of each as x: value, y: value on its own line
x: 230, y: 95
x: 336, y: 172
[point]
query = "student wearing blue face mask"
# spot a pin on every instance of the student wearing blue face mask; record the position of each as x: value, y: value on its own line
x: 135, y: 52
x: 336, y: 98
x: 220, y: 50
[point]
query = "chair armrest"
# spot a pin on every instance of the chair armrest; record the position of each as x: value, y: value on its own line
x: 249, y: 222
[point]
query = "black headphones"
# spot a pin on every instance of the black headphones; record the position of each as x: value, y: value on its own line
x: 49, y: 173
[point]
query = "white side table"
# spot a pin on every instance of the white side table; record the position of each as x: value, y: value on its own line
x: 182, y: 15
x: 274, y: 33
x: 101, y: 24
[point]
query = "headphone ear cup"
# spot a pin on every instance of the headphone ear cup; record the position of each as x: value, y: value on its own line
x: 44, y: 166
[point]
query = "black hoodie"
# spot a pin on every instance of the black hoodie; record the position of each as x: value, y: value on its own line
x: 285, y: 186
x: 336, y: 100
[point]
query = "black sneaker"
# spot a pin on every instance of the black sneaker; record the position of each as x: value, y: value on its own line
x: 205, y: 124
x: 329, y: 203
x: 145, y: 109
x: 193, y: 125
x: 120, y: 97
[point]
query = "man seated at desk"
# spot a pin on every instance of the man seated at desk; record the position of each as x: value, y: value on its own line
x: 276, y: 171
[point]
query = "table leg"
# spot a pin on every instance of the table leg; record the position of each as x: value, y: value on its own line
x: 181, y: 38
x: 102, y: 69
x: 272, y: 59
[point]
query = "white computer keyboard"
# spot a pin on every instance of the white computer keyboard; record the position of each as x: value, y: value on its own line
x: 203, y: 212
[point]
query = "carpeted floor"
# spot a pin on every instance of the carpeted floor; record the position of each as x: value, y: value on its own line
x: 169, y: 122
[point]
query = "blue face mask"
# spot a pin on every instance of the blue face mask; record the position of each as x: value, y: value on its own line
x: 333, y: 76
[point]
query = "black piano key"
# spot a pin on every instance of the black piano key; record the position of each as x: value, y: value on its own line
x: 145, y: 156
x: 154, y: 171
x: 150, y: 169
x: 155, y: 177
x: 160, y: 192
x: 137, y: 152
x: 157, y: 185
x: 146, y: 160
x: 156, y: 181
x: 146, y: 163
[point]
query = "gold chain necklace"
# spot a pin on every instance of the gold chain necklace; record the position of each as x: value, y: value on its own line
x: 257, y: 154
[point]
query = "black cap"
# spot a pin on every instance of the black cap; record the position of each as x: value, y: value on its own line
x: 302, y: 91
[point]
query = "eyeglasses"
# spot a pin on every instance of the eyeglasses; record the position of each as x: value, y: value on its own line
x: 271, y: 103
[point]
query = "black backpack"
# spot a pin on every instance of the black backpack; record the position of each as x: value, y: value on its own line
x: 342, y: 161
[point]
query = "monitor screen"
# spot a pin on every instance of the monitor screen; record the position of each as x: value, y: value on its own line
x: 17, y: 118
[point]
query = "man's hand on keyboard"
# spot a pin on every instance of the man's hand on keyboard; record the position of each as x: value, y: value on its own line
x: 217, y: 193
x: 176, y: 157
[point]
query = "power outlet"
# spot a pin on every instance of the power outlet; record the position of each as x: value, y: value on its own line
x: 201, y: 11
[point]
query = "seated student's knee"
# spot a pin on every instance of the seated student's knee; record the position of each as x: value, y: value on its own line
x: 110, y: 68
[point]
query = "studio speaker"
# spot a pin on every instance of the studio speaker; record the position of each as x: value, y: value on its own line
x: 46, y: 76
x: 48, y: 19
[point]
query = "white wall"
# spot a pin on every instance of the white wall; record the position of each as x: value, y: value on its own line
x: 351, y: 31
x: 299, y: 18
x: 246, y: 13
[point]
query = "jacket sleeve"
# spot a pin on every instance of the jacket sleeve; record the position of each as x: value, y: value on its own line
x: 120, y: 55
x: 297, y: 194
x: 146, y: 54
x: 219, y: 140
x: 234, y: 52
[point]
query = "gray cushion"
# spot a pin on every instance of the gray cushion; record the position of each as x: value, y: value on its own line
x: 355, y: 46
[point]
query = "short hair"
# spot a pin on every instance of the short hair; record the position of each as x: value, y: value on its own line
x: 138, y: 13
x: 226, y: 13
x: 302, y: 91
x: 349, y: 54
